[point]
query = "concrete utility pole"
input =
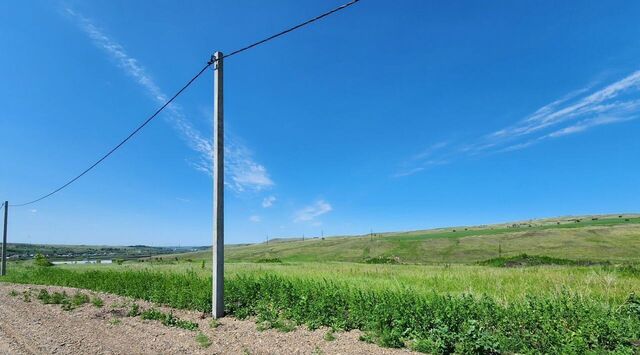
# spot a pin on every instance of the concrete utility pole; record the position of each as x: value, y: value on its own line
x: 217, y: 297
x: 3, y: 271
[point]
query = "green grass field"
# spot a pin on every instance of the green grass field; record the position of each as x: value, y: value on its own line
x: 468, y: 291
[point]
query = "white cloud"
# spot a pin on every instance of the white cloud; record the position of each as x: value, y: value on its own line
x: 33, y: 210
x: 576, y: 112
x: 310, y: 212
x: 255, y: 219
x: 586, y: 124
x: 243, y: 173
x: 268, y: 201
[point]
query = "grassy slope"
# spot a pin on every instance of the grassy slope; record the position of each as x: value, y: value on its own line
x: 607, y: 238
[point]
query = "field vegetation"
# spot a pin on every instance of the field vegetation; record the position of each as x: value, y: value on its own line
x: 476, y: 290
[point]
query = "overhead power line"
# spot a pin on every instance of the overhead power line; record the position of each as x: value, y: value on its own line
x: 157, y: 112
x: 292, y: 28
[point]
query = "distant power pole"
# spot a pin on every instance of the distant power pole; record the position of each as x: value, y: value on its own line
x: 303, y: 237
x: 267, y: 239
x: 217, y: 297
x: 3, y: 271
x: 371, y: 234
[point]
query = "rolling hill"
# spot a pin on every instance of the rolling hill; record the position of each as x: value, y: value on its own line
x: 600, y: 237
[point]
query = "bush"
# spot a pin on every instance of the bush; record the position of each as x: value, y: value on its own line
x: 382, y: 260
x: 536, y: 260
x: 269, y: 260
x: 41, y: 260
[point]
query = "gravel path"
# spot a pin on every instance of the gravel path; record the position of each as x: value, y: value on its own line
x: 36, y: 328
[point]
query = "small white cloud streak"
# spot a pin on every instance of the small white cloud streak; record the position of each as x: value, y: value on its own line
x: 573, y: 129
x: 268, y: 201
x: 578, y: 111
x: 255, y: 219
x: 597, y: 103
x: 313, y: 211
x: 243, y: 173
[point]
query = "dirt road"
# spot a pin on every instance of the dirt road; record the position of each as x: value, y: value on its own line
x: 29, y: 327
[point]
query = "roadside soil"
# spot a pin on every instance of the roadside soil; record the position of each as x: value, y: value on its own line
x: 30, y: 327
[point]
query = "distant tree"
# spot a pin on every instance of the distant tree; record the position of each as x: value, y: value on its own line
x: 41, y: 260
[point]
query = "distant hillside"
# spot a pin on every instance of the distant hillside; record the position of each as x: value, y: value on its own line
x: 607, y: 237
x: 17, y: 251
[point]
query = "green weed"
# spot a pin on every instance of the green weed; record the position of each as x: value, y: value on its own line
x: 168, y: 319
x: 203, y: 340
x: 329, y: 335
x: 214, y: 323
x: 13, y: 293
x: 134, y: 310
x: 97, y: 302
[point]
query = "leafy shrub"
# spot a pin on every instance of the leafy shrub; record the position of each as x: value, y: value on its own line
x: 382, y: 260
x: 523, y: 260
x: 41, y: 260
x: 269, y: 260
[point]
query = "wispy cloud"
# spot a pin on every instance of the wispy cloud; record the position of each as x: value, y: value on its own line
x: 255, y: 219
x: 311, y: 212
x: 268, y: 201
x: 576, y: 112
x: 243, y: 173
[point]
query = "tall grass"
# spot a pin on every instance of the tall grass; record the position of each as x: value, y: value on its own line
x: 564, y: 323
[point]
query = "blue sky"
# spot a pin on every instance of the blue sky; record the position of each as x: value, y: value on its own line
x: 386, y: 116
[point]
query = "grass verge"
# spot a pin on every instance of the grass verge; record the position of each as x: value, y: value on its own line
x: 565, y: 323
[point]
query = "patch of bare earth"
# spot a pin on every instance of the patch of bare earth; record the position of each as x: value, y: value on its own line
x: 30, y: 327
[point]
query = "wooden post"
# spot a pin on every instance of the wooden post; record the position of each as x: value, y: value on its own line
x: 217, y: 301
x: 4, y: 239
